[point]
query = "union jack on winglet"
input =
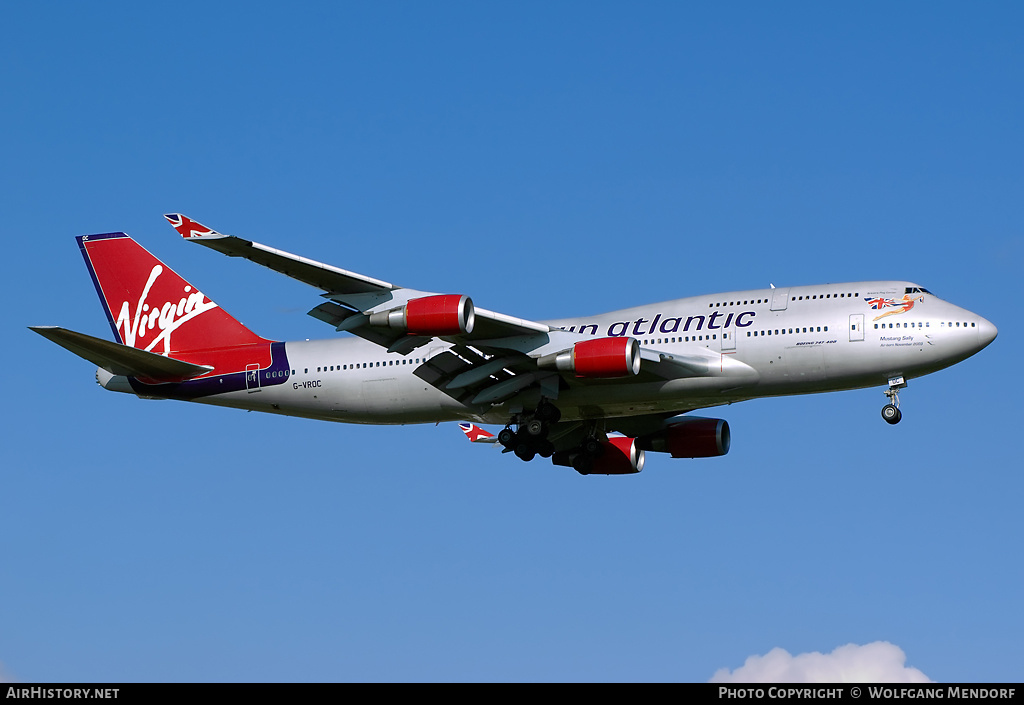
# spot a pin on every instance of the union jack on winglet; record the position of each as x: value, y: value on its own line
x: 477, y: 434
x: 187, y: 227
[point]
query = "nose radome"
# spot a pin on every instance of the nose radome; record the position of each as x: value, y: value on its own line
x: 987, y: 332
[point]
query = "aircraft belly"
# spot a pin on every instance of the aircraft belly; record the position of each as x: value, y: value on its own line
x: 610, y: 400
x: 396, y: 399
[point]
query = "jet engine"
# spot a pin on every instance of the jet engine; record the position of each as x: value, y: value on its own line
x: 603, y: 357
x: 444, y: 314
x: 615, y: 456
x: 621, y: 456
x: 692, y: 437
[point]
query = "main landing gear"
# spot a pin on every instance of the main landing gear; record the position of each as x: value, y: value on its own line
x: 531, y: 438
x: 891, y: 411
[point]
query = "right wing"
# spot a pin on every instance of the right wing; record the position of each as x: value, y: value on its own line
x: 476, y: 434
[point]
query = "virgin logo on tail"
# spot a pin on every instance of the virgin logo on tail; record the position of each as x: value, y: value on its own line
x: 166, y: 318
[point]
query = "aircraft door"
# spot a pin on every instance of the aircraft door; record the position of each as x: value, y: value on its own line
x: 856, y: 327
x: 780, y: 299
x: 252, y: 377
x: 729, y: 339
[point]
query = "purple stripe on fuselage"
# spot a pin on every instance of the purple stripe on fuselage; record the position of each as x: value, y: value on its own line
x: 277, y: 373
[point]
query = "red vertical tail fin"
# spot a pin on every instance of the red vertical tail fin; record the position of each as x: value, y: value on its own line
x: 150, y: 307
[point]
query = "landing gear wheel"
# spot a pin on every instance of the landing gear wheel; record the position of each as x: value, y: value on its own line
x: 891, y: 414
x: 525, y: 452
x: 582, y: 464
x: 507, y: 437
x: 592, y: 448
x: 536, y: 428
x: 891, y: 411
x: 546, y: 449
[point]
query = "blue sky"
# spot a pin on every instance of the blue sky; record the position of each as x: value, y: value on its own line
x: 548, y: 159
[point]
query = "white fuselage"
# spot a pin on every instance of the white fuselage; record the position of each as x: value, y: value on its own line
x: 795, y: 340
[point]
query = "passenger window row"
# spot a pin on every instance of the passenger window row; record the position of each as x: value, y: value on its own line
x: 906, y: 324
x: 825, y: 296
x: 927, y: 324
x: 748, y: 302
x: 789, y: 331
x: 365, y: 365
x: 679, y: 339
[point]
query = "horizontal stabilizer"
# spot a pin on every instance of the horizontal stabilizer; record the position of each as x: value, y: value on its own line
x: 120, y: 359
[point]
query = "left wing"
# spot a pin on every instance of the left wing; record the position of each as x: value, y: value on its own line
x: 359, y: 295
x: 492, y: 356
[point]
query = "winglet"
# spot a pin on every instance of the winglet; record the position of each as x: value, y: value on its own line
x: 477, y: 434
x: 187, y: 227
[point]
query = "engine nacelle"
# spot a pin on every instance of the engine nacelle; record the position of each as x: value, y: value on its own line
x: 690, y: 438
x: 621, y: 456
x: 600, y: 358
x: 444, y: 314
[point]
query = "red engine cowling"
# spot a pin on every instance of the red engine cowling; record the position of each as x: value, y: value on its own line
x: 444, y: 314
x: 603, y: 357
x: 691, y: 438
x: 621, y: 456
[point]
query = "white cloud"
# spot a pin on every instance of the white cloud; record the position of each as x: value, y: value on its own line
x: 878, y: 662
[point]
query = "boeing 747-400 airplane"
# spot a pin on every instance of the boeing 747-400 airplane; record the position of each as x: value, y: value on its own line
x: 592, y: 393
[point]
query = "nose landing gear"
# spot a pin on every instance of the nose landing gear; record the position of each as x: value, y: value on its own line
x: 891, y: 411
